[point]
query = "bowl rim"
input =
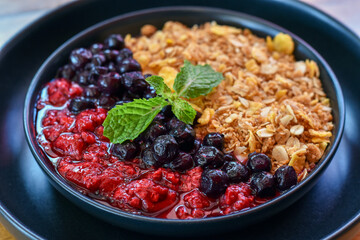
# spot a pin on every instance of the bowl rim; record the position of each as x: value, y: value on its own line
x: 60, y: 181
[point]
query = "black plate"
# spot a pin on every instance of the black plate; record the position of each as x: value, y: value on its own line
x: 35, y: 209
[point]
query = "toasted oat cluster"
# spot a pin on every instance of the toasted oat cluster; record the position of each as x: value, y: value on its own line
x: 268, y: 101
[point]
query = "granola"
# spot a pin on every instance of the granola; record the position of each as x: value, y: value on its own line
x: 268, y: 101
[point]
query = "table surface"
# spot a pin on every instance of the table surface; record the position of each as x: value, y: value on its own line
x: 15, y: 15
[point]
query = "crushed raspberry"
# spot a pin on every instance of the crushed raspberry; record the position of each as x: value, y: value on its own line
x: 196, y: 199
x: 70, y: 145
x: 190, y: 180
x: 146, y: 195
x: 61, y: 90
x: 236, y: 198
x: 88, y: 120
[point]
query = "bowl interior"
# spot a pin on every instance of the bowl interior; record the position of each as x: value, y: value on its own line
x: 131, y: 23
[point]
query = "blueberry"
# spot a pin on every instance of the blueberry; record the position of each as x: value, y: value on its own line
x: 134, y: 82
x: 165, y: 148
x: 184, y: 135
x: 182, y: 162
x: 209, y: 157
x: 125, y: 151
x: 196, y: 146
x: 114, y: 41
x: 91, y: 92
x: 149, y: 92
x: 213, y: 183
x: 236, y: 172
x: 121, y: 102
x: 109, y: 83
x: 155, y: 131
x: 66, y: 72
x: 167, y: 112
x: 286, y: 177
x: 129, y: 65
x: 111, y: 55
x: 83, y: 78
x: 98, y: 59
x: 79, y: 57
x: 107, y: 102
x: 96, y: 48
x: 259, y: 162
x: 174, y: 123
x: 148, y: 158
x: 79, y: 104
x: 112, y: 67
x: 215, y: 140
x: 123, y: 54
x: 229, y: 158
x: 263, y: 184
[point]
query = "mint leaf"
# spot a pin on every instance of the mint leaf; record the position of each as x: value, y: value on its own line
x: 127, y: 121
x: 183, y: 111
x: 193, y: 81
x: 160, y: 87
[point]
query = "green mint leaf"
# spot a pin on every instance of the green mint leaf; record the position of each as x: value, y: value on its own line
x: 127, y: 121
x: 160, y: 87
x: 193, y: 81
x: 183, y: 111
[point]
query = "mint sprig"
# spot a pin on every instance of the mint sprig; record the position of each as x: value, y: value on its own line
x: 127, y: 121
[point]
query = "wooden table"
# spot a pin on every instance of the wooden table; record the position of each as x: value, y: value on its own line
x: 16, y: 14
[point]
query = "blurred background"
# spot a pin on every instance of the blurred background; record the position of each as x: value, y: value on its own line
x: 16, y: 14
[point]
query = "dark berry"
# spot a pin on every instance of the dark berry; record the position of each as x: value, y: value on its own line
x: 134, y: 82
x: 197, y: 116
x: 66, y: 72
x: 209, y: 157
x: 96, y: 48
x: 263, y: 184
x: 196, y: 146
x: 149, y: 92
x: 259, y: 162
x: 147, y: 75
x: 148, y: 158
x: 236, y: 172
x: 155, y: 131
x: 215, y: 140
x: 107, y: 102
x: 182, y: 162
x: 174, y: 123
x: 123, y: 54
x: 91, y: 92
x: 111, y: 55
x: 79, y: 57
x: 114, y: 41
x: 184, y: 135
x: 167, y: 112
x: 165, y: 148
x: 79, y: 104
x: 286, y: 177
x: 121, y: 102
x: 125, y: 151
x: 98, y: 59
x: 229, y: 158
x: 83, y: 78
x: 129, y: 65
x: 109, y: 83
x: 213, y: 183
x: 112, y: 67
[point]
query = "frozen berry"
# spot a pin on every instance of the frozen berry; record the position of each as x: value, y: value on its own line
x: 263, y: 184
x: 114, y: 41
x: 236, y: 172
x: 96, y: 48
x: 129, y: 65
x: 79, y: 104
x: 98, y: 59
x: 182, y: 162
x: 79, y: 57
x: 174, y: 123
x: 229, y: 158
x: 125, y: 151
x: 155, y: 131
x: 123, y: 54
x: 184, y: 135
x: 213, y: 183
x: 109, y: 83
x: 66, y: 72
x: 148, y: 158
x: 259, y: 162
x: 111, y: 54
x: 107, y: 102
x: 215, y: 140
x: 286, y: 177
x: 91, y: 92
x: 196, y: 146
x: 209, y: 157
x: 165, y: 148
x: 167, y: 112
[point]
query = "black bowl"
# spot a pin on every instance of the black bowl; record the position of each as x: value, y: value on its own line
x: 131, y: 23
